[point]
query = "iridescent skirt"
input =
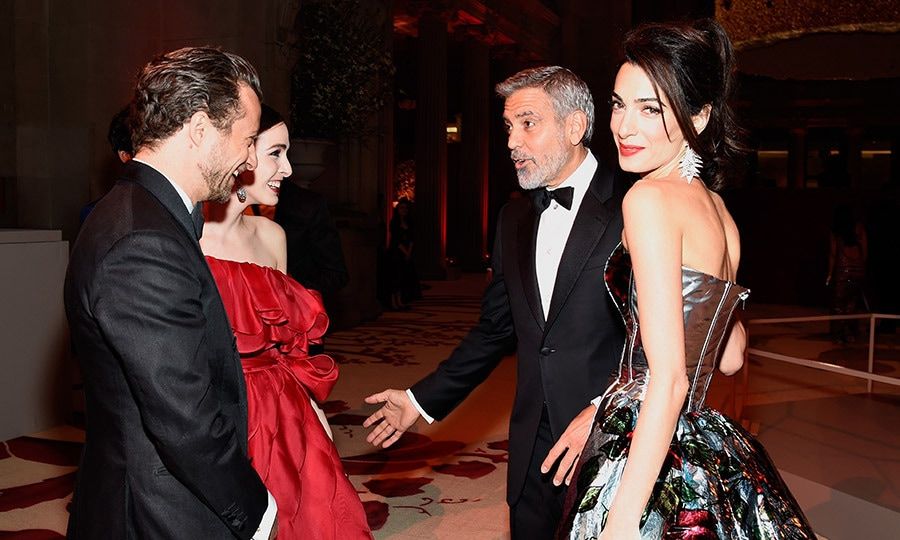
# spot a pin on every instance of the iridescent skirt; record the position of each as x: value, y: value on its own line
x: 717, y: 480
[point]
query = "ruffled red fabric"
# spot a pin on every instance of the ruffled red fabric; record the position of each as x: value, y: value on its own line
x: 270, y: 309
x: 274, y: 320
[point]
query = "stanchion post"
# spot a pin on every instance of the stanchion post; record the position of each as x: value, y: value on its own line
x: 871, y: 351
x: 745, y: 382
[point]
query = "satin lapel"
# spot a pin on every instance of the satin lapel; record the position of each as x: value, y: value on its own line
x: 590, y: 224
x: 526, y: 237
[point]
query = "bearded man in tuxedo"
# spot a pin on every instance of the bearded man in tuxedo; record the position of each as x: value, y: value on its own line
x: 165, y: 452
x: 546, y: 298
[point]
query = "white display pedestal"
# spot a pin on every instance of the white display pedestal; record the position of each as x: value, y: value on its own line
x: 35, y: 374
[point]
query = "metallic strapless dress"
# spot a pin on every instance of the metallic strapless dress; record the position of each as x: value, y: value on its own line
x: 717, y: 480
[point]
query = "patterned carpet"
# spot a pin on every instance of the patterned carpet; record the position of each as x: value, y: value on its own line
x: 446, y: 480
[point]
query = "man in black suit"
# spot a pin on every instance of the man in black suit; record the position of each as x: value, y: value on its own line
x: 547, y: 295
x: 165, y: 452
x: 315, y: 257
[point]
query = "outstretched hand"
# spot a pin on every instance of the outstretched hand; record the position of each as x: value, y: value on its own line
x: 569, y: 446
x: 393, y: 419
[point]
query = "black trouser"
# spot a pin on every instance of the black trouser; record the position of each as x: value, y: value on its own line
x: 845, y: 298
x: 539, y: 509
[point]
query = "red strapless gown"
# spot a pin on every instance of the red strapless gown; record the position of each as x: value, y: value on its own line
x: 275, y: 318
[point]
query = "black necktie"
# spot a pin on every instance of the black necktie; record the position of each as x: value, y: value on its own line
x: 563, y: 196
x: 197, y: 218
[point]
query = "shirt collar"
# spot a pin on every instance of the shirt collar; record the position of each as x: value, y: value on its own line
x: 580, y: 179
x: 181, y: 193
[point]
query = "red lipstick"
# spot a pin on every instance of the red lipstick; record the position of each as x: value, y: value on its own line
x: 626, y: 150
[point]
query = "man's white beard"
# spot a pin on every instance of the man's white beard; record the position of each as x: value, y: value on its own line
x: 541, y: 174
x: 549, y: 171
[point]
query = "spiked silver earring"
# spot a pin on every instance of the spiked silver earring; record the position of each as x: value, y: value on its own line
x: 691, y: 163
x: 242, y: 194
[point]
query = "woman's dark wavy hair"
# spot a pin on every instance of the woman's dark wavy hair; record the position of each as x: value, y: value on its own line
x: 175, y: 85
x: 692, y: 64
x: 269, y: 118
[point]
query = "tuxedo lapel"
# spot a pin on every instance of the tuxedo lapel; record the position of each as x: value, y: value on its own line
x: 525, y: 242
x: 593, y: 217
x: 154, y: 182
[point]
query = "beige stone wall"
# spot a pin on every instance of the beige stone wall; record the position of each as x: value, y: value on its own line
x: 69, y: 66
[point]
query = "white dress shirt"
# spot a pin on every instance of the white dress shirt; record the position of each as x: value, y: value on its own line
x: 554, y: 227
x: 268, y: 519
x: 553, y: 232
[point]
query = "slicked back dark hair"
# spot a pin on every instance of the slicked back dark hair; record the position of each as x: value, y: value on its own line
x: 176, y: 85
x: 692, y: 64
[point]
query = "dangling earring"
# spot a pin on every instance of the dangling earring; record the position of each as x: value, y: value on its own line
x: 691, y: 163
x: 242, y: 194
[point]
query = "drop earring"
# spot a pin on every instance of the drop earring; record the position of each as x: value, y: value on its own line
x: 690, y: 164
x: 242, y: 194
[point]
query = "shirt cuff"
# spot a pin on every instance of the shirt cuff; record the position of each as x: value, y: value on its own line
x: 596, y: 401
x: 268, y: 520
x: 418, y: 407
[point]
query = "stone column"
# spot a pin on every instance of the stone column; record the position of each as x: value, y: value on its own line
x: 895, y: 159
x: 7, y: 115
x: 473, y: 170
x: 853, y: 148
x: 587, y: 19
x: 431, y: 149
x: 797, y: 158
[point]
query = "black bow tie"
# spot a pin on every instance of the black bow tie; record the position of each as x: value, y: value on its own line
x: 563, y: 196
x: 197, y: 219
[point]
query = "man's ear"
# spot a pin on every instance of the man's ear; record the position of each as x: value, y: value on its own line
x: 701, y: 118
x: 198, y: 128
x: 576, y: 125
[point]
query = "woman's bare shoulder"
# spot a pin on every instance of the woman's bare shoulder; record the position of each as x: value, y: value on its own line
x: 646, y: 193
x: 265, y: 226
x: 268, y: 232
x: 660, y: 199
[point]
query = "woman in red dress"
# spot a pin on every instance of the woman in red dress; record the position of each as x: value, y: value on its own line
x: 275, y: 319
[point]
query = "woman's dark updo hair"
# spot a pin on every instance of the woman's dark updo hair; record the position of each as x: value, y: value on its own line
x: 693, y: 65
x: 269, y: 118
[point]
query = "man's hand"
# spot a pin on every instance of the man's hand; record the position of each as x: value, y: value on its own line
x: 569, y: 446
x: 396, y: 416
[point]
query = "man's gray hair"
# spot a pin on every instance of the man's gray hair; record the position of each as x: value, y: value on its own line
x: 568, y: 93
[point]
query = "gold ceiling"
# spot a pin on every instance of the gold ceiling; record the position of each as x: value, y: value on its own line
x: 752, y: 23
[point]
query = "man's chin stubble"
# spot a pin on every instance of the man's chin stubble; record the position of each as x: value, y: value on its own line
x: 219, y: 193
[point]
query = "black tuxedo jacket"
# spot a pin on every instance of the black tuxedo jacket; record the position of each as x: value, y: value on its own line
x: 314, y: 254
x: 562, y: 362
x: 165, y: 450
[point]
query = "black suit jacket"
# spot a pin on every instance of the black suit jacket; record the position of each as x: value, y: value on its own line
x: 165, y: 453
x: 562, y: 362
x: 314, y: 254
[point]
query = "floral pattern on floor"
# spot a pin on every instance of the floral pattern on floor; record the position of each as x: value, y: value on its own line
x: 442, y: 480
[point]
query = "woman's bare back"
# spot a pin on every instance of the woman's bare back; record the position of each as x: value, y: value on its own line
x: 710, y: 240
